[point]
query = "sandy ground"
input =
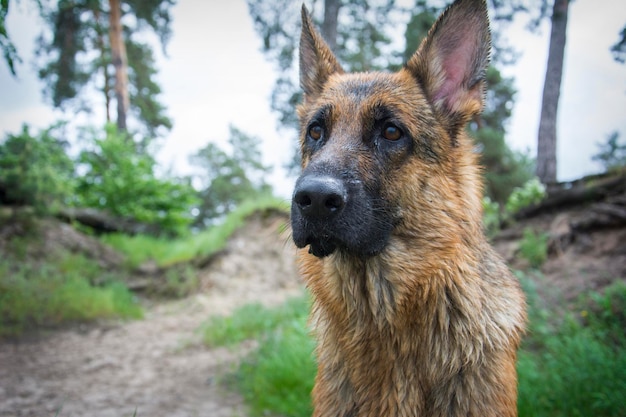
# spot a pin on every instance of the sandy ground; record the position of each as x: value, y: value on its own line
x: 156, y: 366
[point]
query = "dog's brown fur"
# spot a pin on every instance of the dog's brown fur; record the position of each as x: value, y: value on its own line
x: 414, y: 312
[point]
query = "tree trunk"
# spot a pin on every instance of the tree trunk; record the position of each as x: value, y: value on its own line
x: 546, y: 140
x: 329, y: 27
x: 118, y: 52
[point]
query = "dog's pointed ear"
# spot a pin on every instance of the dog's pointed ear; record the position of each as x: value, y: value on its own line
x: 452, y: 60
x: 317, y: 61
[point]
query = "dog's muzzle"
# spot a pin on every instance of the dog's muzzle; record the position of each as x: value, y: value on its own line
x: 317, y: 202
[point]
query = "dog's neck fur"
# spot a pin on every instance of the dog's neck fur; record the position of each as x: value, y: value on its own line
x: 445, y: 330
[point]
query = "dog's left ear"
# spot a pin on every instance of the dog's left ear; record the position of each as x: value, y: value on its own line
x: 452, y: 60
x: 317, y: 61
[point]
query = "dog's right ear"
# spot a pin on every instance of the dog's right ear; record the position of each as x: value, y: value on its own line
x: 317, y: 62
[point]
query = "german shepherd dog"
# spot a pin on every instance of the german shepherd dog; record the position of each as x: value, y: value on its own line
x: 414, y: 312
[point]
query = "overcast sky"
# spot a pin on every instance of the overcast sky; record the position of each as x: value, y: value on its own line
x: 215, y: 75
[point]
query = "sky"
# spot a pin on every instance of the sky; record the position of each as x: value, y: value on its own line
x: 214, y: 75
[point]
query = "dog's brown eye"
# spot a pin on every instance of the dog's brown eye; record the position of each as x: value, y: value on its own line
x: 391, y: 132
x: 315, y: 132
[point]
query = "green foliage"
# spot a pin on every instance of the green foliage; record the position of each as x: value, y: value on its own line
x: 9, y: 53
x: 418, y: 26
x: 532, y: 192
x: 252, y: 321
x: 606, y: 313
x: 575, y: 375
x: 534, y: 247
x: 278, y: 377
x: 144, y: 91
x: 122, y: 181
x: 571, y: 368
x: 361, y: 44
x: 229, y: 178
x: 55, y: 292
x: 167, y: 252
x: 612, y: 153
x: 79, y: 54
x: 491, y: 216
x: 505, y: 169
x: 34, y: 170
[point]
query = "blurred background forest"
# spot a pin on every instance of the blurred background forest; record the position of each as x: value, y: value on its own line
x: 123, y: 176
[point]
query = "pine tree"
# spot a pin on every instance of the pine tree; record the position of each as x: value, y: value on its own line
x: 122, y: 67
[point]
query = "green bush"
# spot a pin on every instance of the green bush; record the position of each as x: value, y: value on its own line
x: 121, y: 180
x: 606, y: 312
x: 532, y: 192
x: 534, y: 247
x: 35, y: 170
x: 228, y: 178
x: 54, y: 293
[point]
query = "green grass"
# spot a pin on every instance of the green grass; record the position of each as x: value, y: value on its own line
x: 571, y: 364
x: 252, y: 321
x: 57, y: 292
x: 278, y: 377
x: 575, y: 374
x: 576, y: 367
x: 167, y: 252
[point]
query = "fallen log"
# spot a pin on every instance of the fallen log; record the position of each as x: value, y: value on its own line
x: 103, y: 222
x: 570, y: 194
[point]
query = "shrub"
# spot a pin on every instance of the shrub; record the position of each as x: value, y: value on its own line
x: 532, y: 192
x: 121, y: 180
x: 35, y: 170
x: 534, y: 247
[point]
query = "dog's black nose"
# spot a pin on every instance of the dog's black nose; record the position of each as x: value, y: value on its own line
x: 319, y: 197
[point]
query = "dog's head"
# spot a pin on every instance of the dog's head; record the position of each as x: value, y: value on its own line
x: 377, y: 147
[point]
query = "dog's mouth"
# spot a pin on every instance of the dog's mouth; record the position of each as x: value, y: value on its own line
x: 321, y: 247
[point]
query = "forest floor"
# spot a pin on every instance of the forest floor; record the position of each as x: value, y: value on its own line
x: 158, y: 366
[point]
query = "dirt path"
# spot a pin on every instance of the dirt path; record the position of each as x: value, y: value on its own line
x: 156, y: 366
